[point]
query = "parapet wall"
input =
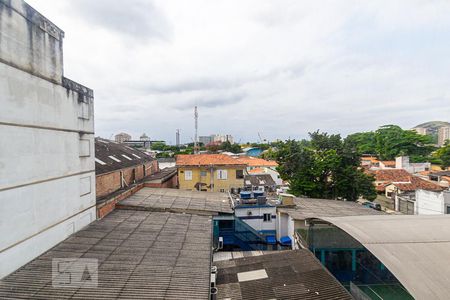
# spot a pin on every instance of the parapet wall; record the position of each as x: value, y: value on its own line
x: 29, y: 41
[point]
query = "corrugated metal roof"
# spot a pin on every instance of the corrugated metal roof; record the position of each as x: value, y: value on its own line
x: 111, y: 156
x: 175, y: 200
x: 415, y: 248
x: 315, y: 208
x: 295, y: 274
x: 141, y: 255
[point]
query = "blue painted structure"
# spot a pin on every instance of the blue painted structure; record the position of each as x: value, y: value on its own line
x: 255, y: 152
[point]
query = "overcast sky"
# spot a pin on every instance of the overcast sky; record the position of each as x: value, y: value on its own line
x: 280, y: 68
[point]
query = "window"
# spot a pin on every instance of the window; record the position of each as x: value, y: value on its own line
x: 222, y: 174
x: 448, y: 209
x: 267, y: 218
x: 188, y: 175
x: 222, y: 190
x: 239, y: 174
x: 203, y: 173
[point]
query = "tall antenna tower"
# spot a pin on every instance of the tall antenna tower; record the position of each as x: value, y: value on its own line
x: 196, y: 131
x: 178, y: 138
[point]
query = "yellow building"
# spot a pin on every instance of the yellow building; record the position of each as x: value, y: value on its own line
x: 210, y: 172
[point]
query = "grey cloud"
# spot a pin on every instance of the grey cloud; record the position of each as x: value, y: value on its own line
x: 212, y: 102
x: 134, y: 18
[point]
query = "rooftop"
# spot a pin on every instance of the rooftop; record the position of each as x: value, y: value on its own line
x: 256, y: 162
x: 162, y: 175
x: 259, y: 179
x: 418, y: 183
x: 315, y: 208
x: 206, y: 160
x: 141, y: 255
x: 295, y: 274
x: 391, y: 175
x: 388, y: 163
x: 409, y: 246
x: 181, y: 201
x: 111, y: 156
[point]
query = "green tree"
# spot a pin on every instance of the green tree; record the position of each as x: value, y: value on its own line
x: 443, y: 154
x: 326, y: 166
x: 390, y: 141
x: 229, y: 147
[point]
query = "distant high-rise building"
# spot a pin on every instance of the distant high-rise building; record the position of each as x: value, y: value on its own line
x: 443, y: 135
x: 421, y: 130
x: 205, y: 139
x: 122, y: 137
x: 216, y: 138
x: 177, y: 137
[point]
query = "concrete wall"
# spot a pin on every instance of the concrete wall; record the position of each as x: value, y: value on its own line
x: 29, y: 41
x: 431, y: 203
x: 47, y: 169
x: 109, y: 183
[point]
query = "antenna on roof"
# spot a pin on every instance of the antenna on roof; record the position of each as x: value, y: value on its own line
x: 196, y: 131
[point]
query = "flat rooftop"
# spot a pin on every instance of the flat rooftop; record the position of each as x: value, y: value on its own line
x: 294, y: 274
x: 141, y: 255
x: 178, y: 201
x: 307, y: 208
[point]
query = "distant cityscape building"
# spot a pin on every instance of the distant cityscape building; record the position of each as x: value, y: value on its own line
x: 421, y: 130
x: 443, y: 135
x: 216, y: 138
x: 177, y: 138
x: 47, y: 173
x: 122, y: 137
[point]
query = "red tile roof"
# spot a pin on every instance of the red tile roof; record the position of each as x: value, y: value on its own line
x: 418, y: 183
x: 388, y: 163
x: 257, y: 162
x: 391, y: 175
x: 206, y: 160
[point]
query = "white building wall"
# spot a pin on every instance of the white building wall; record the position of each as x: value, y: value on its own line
x: 258, y: 224
x: 47, y: 168
x: 429, y: 203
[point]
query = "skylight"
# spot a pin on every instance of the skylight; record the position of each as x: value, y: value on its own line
x: 113, y: 158
x: 135, y: 155
x: 126, y: 157
x: 100, y: 162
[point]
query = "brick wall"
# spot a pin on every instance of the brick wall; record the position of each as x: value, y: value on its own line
x: 109, y: 183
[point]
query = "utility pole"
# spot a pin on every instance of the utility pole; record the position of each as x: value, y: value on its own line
x: 196, y: 131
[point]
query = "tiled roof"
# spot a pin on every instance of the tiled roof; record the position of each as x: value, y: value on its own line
x: 388, y: 163
x: 256, y: 162
x: 256, y: 171
x: 141, y: 255
x: 175, y: 200
x: 259, y: 180
x: 294, y: 274
x: 206, y: 160
x: 111, y: 156
x: 391, y: 175
x: 372, y: 159
x: 316, y: 208
x: 418, y: 183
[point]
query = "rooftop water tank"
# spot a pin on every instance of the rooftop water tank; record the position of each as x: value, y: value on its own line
x: 257, y: 194
x: 245, y: 195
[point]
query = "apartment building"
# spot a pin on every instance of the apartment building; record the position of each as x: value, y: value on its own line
x: 443, y: 135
